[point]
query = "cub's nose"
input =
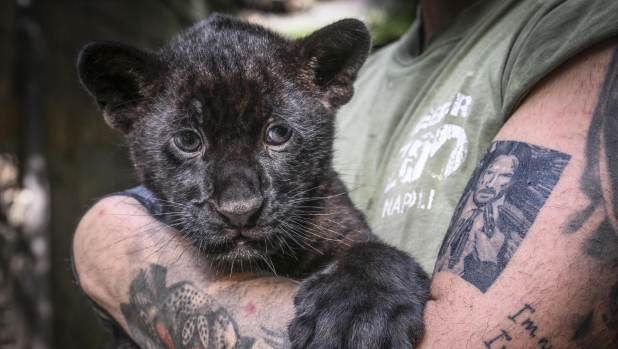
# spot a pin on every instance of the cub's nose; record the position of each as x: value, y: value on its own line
x: 241, y: 215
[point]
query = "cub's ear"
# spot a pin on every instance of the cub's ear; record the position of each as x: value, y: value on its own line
x: 336, y: 53
x: 118, y: 76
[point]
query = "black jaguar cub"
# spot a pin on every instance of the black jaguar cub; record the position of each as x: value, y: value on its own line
x: 231, y: 127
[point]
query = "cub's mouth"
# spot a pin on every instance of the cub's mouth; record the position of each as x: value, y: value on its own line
x: 241, y: 245
x: 236, y: 247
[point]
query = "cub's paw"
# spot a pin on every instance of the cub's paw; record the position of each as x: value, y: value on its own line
x: 373, y: 297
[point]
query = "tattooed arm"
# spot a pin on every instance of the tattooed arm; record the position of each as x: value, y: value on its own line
x: 531, y: 257
x: 159, y: 289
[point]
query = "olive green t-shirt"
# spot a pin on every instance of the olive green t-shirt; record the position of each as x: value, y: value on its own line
x: 421, y: 120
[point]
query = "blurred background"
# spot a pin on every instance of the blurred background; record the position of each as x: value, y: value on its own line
x: 57, y: 155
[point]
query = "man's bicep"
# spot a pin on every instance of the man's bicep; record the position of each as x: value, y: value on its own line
x: 530, y: 259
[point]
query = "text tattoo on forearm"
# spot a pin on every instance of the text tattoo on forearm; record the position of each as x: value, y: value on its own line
x: 523, y: 318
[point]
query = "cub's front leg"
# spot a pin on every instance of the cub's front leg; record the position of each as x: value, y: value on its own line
x: 371, y: 297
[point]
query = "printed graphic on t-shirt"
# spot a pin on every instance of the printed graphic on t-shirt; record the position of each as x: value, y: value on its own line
x: 424, y: 155
x: 500, y: 203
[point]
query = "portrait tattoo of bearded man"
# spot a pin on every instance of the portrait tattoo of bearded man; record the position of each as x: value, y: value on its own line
x: 499, y: 204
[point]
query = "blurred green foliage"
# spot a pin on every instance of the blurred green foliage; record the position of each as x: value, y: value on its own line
x: 390, y: 19
x: 297, y: 33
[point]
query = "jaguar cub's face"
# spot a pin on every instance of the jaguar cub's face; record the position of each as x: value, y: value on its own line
x: 231, y: 126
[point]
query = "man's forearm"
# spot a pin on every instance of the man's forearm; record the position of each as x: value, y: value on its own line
x: 163, y: 292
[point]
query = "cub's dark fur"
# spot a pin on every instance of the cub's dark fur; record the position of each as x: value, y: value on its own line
x: 232, y: 127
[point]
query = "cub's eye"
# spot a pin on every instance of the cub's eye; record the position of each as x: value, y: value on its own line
x: 187, y: 141
x: 278, y: 135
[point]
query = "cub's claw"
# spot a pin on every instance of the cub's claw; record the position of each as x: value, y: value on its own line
x: 371, y: 298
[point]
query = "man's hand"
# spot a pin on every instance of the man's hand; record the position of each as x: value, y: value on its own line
x: 559, y: 287
x: 164, y: 293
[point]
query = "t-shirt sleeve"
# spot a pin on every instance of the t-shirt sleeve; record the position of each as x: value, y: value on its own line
x: 558, y: 31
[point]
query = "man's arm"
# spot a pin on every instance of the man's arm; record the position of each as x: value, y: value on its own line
x: 161, y: 290
x: 558, y: 287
